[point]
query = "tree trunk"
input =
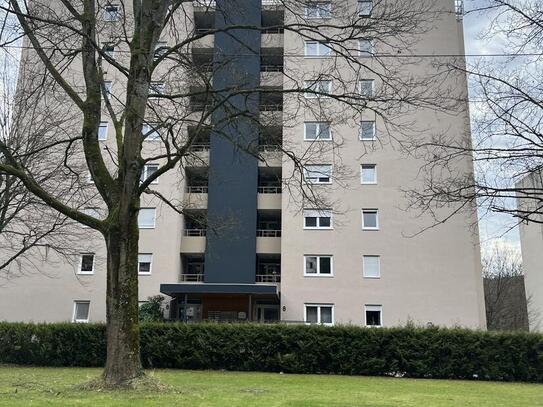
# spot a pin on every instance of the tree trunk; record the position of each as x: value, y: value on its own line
x: 123, y: 363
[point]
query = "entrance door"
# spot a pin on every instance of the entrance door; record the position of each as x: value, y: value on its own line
x: 267, y: 313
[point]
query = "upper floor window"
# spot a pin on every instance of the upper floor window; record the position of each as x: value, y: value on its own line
x: 366, y: 87
x: 108, y: 87
x: 318, y: 10
x: 86, y: 263
x: 366, y: 47
x: 374, y: 315
x: 318, y: 266
x: 145, y: 261
x: 318, y: 89
x: 365, y: 7
x: 371, y: 266
x: 109, y: 50
x: 318, y: 174
x: 81, y: 311
x: 157, y: 87
x: 317, y: 219
x: 102, y: 131
x: 150, y: 132
x: 367, y: 130
x: 370, y: 219
x: 368, y: 174
x: 146, y: 218
x: 147, y: 171
x: 112, y: 12
x: 314, y: 49
x: 317, y: 131
x: 160, y: 49
x: 319, y: 314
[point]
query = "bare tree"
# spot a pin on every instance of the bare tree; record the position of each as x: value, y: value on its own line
x: 169, y: 91
x: 505, y: 296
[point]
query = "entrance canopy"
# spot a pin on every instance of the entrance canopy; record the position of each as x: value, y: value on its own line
x: 218, y: 288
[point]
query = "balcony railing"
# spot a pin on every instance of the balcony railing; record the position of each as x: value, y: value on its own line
x: 268, y: 233
x: 271, y: 68
x: 199, y: 107
x: 269, y: 148
x: 199, y: 147
x: 272, y: 30
x: 197, y: 189
x: 271, y: 107
x: 194, y: 232
x: 269, y: 190
x: 268, y: 278
x: 192, y: 278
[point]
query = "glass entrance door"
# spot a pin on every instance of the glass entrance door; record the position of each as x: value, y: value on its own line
x: 267, y: 313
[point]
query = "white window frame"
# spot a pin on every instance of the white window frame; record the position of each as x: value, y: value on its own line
x: 109, y: 53
x: 157, y: 87
x: 154, y: 135
x: 309, y: 84
x: 80, y: 266
x: 318, y: 212
x: 108, y: 16
x: 364, y: 268
x: 370, y: 210
x: 160, y: 44
x: 373, y: 307
x: 150, y: 264
x: 366, y: 54
x: 332, y: 306
x: 318, y: 274
x: 317, y: 180
x: 80, y: 321
x: 145, y: 173
x: 359, y: 9
x: 374, y: 131
x: 103, y: 125
x: 372, y: 91
x: 154, y: 219
x: 374, y: 181
x: 318, y: 131
x: 318, y: 5
x: 108, y: 85
x: 322, y: 49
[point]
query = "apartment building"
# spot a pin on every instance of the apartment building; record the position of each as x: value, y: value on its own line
x: 531, y: 239
x: 249, y: 247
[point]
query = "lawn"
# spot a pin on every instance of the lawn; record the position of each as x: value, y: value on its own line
x: 29, y: 386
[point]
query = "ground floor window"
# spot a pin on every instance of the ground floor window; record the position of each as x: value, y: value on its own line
x: 374, y: 315
x: 319, y: 314
x: 81, y: 311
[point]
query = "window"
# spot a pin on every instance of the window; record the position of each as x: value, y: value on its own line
x: 317, y: 131
x: 157, y: 87
x: 318, y: 266
x: 318, y: 89
x: 365, y: 87
x: 108, y: 86
x: 368, y: 174
x: 81, y: 311
x: 319, y: 314
x: 317, y: 219
x: 112, y: 12
x: 145, y: 261
x: 86, y: 263
x: 374, y: 315
x: 102, y: 131
x: 366, y: 47
x: 160, y: 49
x: 150, y: 132
x: 370, y: 219
x: 365, y: 7
x: 146, y: 218
x: 148, y: 170
x: 371, y: 266
x: 315, y: 49
x: 109, y: 50
x: 318, y: 174
x: 367, y: 130
x: 318, y: 10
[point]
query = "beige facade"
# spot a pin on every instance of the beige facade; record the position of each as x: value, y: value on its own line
x: 382, y: 273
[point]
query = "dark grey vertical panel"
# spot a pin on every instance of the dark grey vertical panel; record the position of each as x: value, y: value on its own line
x: 233, y: 176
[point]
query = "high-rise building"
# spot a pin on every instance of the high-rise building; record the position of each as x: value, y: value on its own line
x: 248, y: 247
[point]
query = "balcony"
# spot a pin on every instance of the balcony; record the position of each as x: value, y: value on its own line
x: 194, y: 231
x: 269, y: 188
x: 192, y: 269
x: 271, y: 99
x: 268, y: 268
x: 268, y: 231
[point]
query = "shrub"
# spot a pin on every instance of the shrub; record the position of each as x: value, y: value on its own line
x: 151, y: 311
x: 408, y: 352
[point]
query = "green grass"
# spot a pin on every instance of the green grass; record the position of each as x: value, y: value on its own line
x: 30, y: 386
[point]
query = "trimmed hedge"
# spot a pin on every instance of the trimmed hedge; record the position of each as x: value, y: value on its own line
x: 409, y: 352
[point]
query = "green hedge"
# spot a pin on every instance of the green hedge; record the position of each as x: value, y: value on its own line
x: 409, y: 352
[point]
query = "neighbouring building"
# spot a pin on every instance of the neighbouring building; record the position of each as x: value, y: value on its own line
x: 362, y: 262
x: 531, y: 240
